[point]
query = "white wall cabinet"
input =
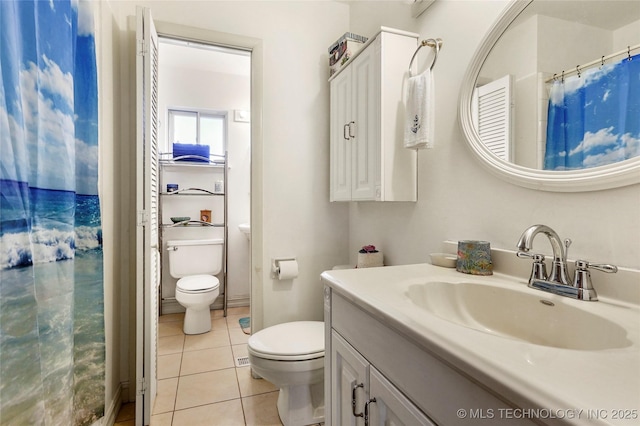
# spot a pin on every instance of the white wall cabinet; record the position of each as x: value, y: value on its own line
x: 368, y: 160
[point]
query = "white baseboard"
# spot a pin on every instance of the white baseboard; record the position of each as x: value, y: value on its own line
x: 171, y: 306
x: 112, y: 410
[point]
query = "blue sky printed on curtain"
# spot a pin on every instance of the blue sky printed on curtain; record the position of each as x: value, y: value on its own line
x: 594, y: 119
x: 52, y: 349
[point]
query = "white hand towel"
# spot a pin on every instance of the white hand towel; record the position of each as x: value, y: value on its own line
x: 419, y: 111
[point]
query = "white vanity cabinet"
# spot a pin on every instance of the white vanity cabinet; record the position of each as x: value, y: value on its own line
x: 368, y: 160
x: 362, y: 395
x: 368, y: 359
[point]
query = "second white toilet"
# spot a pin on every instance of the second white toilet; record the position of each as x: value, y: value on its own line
x: 291, y: 356
x: 194, y: 263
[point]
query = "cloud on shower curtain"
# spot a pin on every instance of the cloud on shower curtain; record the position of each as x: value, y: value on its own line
x: 42, y: 109
x: 594, y: 118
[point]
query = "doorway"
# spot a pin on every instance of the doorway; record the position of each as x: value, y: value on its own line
x: 204, y: 98
x: 148, y: 146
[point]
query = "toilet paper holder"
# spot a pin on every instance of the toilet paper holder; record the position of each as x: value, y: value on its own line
x: 275, y: 265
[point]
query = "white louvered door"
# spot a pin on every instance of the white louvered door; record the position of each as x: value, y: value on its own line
x: 147, y: 264
x: 494, y: 117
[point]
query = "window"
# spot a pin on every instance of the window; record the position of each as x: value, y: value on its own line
x: 198, y: 127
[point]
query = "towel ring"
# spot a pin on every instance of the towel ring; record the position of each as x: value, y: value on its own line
x: 431, y: 42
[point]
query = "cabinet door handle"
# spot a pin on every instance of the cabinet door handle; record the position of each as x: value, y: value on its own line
x: 344, y: 132
x: 353, y: 399
x: 366, y: 411
x: 354, y: 133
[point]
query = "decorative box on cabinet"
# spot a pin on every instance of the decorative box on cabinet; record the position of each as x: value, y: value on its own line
x: 368, y: 160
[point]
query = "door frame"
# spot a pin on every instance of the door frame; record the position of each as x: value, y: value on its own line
x: 255, y: 46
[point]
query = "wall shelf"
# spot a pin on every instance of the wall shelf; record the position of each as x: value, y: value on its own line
x: 194, y: 175
x: 192, y: 224
x: 196, y: 191
x: 167, y: 160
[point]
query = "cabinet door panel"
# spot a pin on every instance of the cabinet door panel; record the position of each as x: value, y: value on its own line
x: 340, y: 117
x: 366, y: 104
x: 391, y: 407
x: 348, y: 370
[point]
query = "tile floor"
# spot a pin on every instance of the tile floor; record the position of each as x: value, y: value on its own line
x: 198, y: 382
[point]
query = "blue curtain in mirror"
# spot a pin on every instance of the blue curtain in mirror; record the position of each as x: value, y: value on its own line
x: 594, y: 118
x: 52, y: 348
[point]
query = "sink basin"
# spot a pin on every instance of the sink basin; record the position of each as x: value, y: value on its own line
x: 540, y: 319
x: 245, y: 228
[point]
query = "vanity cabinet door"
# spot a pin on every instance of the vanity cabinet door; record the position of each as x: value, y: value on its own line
x: 349, y: 378
x: 389, y: 407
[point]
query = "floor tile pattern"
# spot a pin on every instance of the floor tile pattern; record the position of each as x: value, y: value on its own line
x: 198, y: 382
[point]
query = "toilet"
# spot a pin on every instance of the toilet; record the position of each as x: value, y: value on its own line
x: 291, y: 356
x: 194, y: 263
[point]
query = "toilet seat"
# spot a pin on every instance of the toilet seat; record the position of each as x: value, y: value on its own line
x: 291, y: 341
x: 194, y: 284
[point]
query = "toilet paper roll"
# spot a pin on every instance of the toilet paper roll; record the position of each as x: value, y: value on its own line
x: 287, y: 269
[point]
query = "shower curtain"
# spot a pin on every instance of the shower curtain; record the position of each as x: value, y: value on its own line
x: 594, y: 118
x: 52, y: 349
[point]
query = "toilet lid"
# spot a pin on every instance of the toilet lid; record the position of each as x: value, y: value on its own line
x: 198, y: 283
x: 292, y: 341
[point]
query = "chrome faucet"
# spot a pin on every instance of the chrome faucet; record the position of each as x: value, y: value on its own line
x: 559, y: 272
x: 558, y: 281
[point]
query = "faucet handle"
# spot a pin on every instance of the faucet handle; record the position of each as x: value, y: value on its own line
x: 604, y: 267
x: 582, y: 277
x: 539, y: 269
x: 535, y: 256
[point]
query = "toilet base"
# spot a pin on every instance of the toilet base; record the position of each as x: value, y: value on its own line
x: 197, y: 321
x: 301, y: 405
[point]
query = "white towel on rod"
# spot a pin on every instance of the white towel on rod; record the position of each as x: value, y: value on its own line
x: 419, y: 111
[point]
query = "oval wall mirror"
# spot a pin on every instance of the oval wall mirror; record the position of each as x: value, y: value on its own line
x: 535, y: 50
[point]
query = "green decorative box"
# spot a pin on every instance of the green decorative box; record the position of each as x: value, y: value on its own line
x: 474, y: 257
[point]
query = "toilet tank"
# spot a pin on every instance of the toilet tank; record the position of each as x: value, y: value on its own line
x: 194, y: 257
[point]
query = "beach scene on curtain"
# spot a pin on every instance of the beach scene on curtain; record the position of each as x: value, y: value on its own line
x: 52, y: 347
x: 594, y: 118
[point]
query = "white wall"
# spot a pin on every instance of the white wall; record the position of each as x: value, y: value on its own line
x: 458, y: 199
x: 112, y: 205
x: 296, y: 216
x: 626, y: 36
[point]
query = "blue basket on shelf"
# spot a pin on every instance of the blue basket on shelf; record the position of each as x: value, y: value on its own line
x: 191, y: 152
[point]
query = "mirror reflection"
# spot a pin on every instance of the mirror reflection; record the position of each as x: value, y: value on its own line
x: 560, y: 90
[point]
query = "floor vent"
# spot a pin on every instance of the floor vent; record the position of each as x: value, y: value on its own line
x: 242, y: 361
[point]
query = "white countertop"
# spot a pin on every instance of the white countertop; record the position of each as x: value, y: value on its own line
x: 580, y: 386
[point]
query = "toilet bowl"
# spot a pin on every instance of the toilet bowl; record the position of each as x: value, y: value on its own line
x: 194, y: 263
x: 291, y: 356
x: 196, y: 293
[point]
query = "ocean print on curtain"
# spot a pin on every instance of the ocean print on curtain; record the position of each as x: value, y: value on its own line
x: 594, y: 118
x: 52, y: 349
